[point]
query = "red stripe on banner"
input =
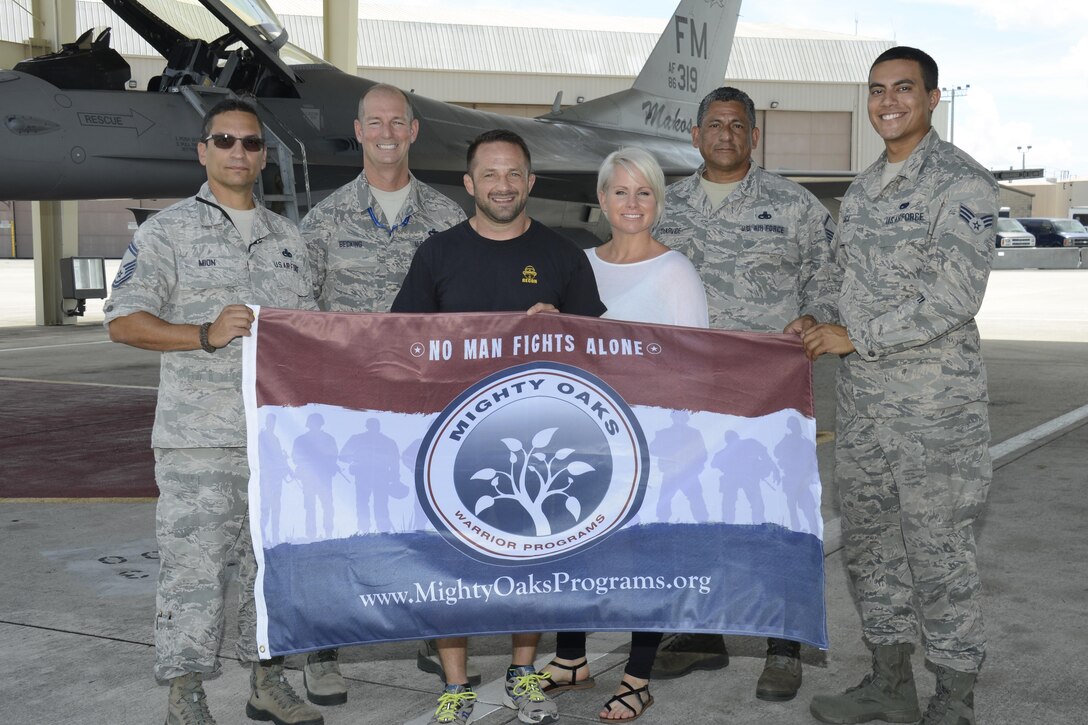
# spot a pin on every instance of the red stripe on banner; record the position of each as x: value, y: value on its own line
x: 419, y: 363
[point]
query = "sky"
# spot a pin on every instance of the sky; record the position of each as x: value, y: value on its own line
x: 1026, y: 62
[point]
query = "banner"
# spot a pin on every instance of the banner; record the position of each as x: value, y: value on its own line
x: 418, y: 476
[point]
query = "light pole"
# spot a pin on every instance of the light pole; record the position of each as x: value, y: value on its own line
x: 1023, y: 156
x: 952, y: 92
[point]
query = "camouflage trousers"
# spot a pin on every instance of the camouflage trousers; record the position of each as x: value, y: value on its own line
x: 202, y: 524
x: 910, y: 488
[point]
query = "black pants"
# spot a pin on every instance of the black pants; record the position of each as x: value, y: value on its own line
x: 572, y: 646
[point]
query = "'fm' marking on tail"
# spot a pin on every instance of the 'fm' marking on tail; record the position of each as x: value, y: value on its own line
x: 689, y: 60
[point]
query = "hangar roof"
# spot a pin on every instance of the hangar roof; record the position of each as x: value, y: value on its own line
x: 533, y: 43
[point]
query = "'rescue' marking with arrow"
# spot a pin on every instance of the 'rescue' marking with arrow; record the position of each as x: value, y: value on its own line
x: 133, y: 120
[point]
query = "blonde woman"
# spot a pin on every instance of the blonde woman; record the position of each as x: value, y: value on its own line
x: 641, y: 280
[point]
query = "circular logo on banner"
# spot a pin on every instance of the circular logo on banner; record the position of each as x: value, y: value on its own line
x: 532, y: 463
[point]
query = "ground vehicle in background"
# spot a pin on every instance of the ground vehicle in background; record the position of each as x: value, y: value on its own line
x: 1053, y: 232
x: 1011, y: 233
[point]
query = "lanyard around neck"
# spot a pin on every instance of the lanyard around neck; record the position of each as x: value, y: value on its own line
x: 390, y: 229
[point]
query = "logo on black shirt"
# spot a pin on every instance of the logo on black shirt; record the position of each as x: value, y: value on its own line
x: 528, y: 275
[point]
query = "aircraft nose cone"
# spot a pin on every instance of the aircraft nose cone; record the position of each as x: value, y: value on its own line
x: 32, y: 144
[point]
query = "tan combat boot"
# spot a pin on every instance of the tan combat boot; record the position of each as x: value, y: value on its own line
x: 887, y: 693
x: 271, y: 697
x: 321, y: 676
x: 781, y: 676
x: 188, y: 705
x: 686, y: 653
x: 954, y: 702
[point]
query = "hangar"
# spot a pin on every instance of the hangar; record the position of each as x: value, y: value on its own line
x: 808, y: 86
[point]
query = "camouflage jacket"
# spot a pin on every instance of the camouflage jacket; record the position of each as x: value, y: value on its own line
x: 359, y: 259
x: 184, y: 265
x: 765, y: 255
x: 914, y: 258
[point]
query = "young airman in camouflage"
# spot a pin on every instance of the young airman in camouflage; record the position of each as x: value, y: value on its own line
x: 361, y: 241
x: 360, y: 247
x: 182, y: 289
x: 764, y: 248
x: 912, y: 457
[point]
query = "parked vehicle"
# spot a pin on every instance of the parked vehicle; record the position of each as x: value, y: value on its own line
x: 1011, y: 233
x: 1051, y: 232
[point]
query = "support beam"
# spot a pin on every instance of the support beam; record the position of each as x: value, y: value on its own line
x: 57, y: 20
x: 55, y: 225
x: 341, y: 32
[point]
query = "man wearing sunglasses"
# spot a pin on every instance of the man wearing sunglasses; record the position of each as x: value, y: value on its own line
x: 361, y: 239
x: 183, y: 289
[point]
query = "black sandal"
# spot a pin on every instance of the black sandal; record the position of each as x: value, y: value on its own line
x: 643, y: 704
x: 551, y: 685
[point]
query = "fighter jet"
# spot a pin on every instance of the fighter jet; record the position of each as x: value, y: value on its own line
x: 70, y: 129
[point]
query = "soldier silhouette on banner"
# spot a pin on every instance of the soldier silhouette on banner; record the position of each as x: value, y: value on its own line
x: 374, y: 462
x: 796, y: 457
x: 275, y: 470
x: 681, y: 456
x: 314, y: 454
x: 744, y: 464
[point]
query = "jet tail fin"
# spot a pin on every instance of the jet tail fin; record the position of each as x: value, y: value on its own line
x: 688, y: 62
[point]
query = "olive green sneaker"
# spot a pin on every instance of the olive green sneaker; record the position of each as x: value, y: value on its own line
x: 188, y: 704
x: 272, y: 698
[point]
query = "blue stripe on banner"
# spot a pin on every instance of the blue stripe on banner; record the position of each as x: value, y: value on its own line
x: 752, y: 580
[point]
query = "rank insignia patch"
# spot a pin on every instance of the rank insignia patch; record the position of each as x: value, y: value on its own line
x: 977, y: 223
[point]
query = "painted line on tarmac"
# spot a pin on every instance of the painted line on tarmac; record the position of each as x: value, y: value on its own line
x: 78, y: 382
x: 106, y: 499
x: 49, y: 347
x: 1001, y: 453
x: 1017, y: 443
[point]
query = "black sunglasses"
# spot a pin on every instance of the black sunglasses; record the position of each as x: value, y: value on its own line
x: 225, y: 141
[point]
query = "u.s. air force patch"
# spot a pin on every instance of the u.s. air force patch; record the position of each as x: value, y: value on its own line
x: 532, y: 463
x: 128, y: 266
x: 977, y: 222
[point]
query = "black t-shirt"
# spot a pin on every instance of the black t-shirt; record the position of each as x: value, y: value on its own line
x: 457, y: 270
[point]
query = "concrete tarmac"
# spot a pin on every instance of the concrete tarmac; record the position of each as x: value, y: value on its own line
x: 77, y: 577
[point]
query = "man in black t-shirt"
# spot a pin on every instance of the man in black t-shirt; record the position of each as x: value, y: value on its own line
x: 499, y: 260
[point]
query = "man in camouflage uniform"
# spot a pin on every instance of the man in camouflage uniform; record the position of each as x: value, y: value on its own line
x: 763, y: 246
x: 361, y: 240
x: 362, y: 236
x: 182, y: 289
x: 912, y: 456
